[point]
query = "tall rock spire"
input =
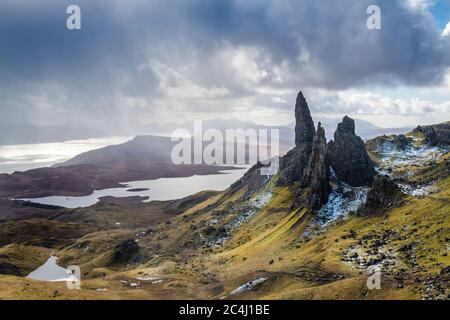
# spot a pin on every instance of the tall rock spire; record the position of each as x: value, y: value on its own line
x: 304, y: 125
x: 316, y: 176
x: 295, y: 161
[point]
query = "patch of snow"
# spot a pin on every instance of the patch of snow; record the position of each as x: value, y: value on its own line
x: 101, y: 289
x: 416, y: 191
x: 248, y: 286
x: 148, y: 279
x: 343, y: 199
x: 213, y: 222
x: 157, y: 281
x: 251, y: 208
x: 392, y: 156
x: 361, y: 258
x: 244, y: 213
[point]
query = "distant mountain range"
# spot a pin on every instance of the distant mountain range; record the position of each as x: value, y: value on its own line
x: 365, y: 129
x: 27, y: 134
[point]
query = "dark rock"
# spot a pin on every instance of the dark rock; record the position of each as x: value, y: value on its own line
x: 126, y: 252
x: 401, y: 142
x: 9, y: 269
x: 213, y: 232
x: 384, y: 194
x: 253, y: 180
x: 304, y: 125
x: 316, y: 176
x: 445, y: 271
x: 348, y: 156
x: 435, y: 135
x: 294, y: 162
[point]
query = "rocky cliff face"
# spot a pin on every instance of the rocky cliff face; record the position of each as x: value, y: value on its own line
x: 435, y: 135
x: 348, y: 156
x: 316, y: 176
x: 294, y: 162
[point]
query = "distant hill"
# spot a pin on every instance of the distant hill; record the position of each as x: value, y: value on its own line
x: 142, y: 151
x: 137, y: 152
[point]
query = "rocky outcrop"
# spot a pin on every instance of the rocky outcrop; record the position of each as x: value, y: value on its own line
x: 125, y: 252
x: 294, y: 162
x: 316, y: 176
x: 435, y: 135
x: 348, y: 156
x: 383, y: 195
x: 7, y: 268
x: 401, y: 142
x: 253, y: 181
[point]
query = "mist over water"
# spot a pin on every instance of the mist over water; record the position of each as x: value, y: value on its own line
x: 31, y: 156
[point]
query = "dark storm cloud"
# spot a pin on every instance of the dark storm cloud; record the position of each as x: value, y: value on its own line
x: 199, y: 55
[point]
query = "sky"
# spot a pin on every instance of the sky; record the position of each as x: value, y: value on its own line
x: 136, y: 62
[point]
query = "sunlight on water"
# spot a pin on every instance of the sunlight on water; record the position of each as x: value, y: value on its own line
x: 159, y: 189
x: 30, y: 156
x: 50, y: 271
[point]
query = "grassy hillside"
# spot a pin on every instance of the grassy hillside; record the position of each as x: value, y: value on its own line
x: 246, y: 243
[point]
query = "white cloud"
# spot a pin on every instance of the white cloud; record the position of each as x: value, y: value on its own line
x: 175, y: 85
x: 249, y: 63
x: 361, y: 102
x: 380, y: 109
x: 421, y: 4
x: 278, y: 100
x: 446, y: 31
x: 245, y: 61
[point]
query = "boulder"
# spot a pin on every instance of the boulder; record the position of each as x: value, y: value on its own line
x: 383, y: 195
